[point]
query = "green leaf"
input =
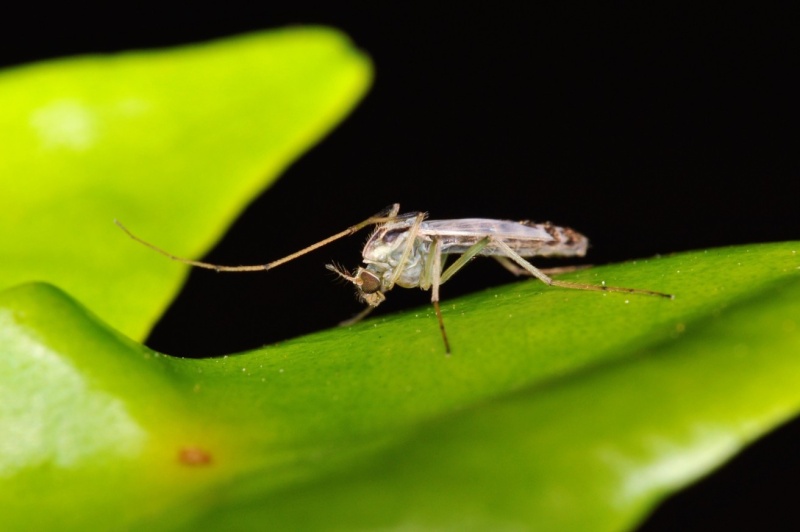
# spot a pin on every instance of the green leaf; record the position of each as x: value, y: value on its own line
x: 558, y: 409
x: 172, y: 142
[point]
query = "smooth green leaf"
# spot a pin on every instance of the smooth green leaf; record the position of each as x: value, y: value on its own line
x: 172, y: 142
x: 558, y: 409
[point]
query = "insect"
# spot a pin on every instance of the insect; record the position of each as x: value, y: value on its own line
x: 410, y: 251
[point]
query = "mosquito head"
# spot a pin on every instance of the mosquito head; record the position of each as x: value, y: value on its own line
x: 367, y: 283
x: 369, y: 287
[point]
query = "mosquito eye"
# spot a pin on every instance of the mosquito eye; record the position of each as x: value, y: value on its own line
x: 369, y: 282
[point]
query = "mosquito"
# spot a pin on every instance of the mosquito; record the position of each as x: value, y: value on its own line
x: 410, y: 251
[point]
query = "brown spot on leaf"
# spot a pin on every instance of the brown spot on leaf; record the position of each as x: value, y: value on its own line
x: 194, y: 456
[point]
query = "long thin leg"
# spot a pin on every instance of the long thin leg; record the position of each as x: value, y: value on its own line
x: 436, y: 270
x: 387, y: 215
x: 516, y: 270
x: 434, y: 278
x: 530, y: 268
x: 358, y: 317
x: 465, y: 257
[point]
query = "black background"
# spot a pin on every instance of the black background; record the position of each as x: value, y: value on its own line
x: 651, y: 129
